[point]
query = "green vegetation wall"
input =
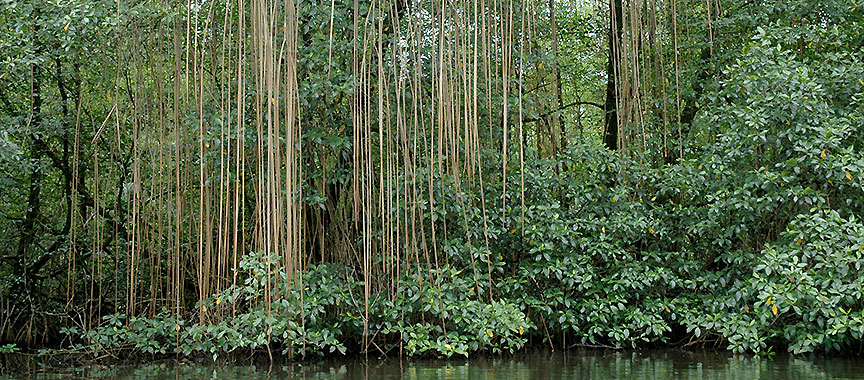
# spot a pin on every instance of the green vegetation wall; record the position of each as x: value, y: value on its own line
x: 430, y: 177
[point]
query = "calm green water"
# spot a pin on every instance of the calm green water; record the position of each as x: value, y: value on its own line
x: 664, y: 364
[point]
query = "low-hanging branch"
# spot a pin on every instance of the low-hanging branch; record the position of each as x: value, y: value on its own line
x: 568, y: 105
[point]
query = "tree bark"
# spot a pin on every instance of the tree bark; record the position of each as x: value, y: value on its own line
x: 557, y: 119
x: 610, y: 125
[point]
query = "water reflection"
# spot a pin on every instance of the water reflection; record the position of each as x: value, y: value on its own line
x: 636, y: 365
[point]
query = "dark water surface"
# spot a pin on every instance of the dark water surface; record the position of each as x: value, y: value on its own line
x: 652, y: 364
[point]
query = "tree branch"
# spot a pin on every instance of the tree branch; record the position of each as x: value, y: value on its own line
x: 543, y: 116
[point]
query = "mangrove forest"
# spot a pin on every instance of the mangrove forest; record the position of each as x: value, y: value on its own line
x: 430, y: 178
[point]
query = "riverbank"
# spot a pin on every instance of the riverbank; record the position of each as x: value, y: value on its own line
x: 448, y: 313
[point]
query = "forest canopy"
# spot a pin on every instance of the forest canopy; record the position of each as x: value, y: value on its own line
x: 430, y: 177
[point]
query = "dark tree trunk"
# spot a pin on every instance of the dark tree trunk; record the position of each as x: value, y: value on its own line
x: 610, y: 125
x: 557, y: 118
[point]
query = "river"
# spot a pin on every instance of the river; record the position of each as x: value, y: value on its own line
x: 529, y: 365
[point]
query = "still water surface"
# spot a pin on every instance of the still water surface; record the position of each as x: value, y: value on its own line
x: 531, y: 365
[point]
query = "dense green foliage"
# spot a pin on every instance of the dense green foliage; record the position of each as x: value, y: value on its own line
x: 327, y: 324
x: 753, y: 239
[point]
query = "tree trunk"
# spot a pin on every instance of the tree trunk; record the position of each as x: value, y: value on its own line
x: 557, y: 119
x: 610, y: 129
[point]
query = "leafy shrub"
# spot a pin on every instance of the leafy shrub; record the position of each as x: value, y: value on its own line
x: 8, y: 348
x: 318, y: 319
x: 449, y: 316
x: 787, y: 163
